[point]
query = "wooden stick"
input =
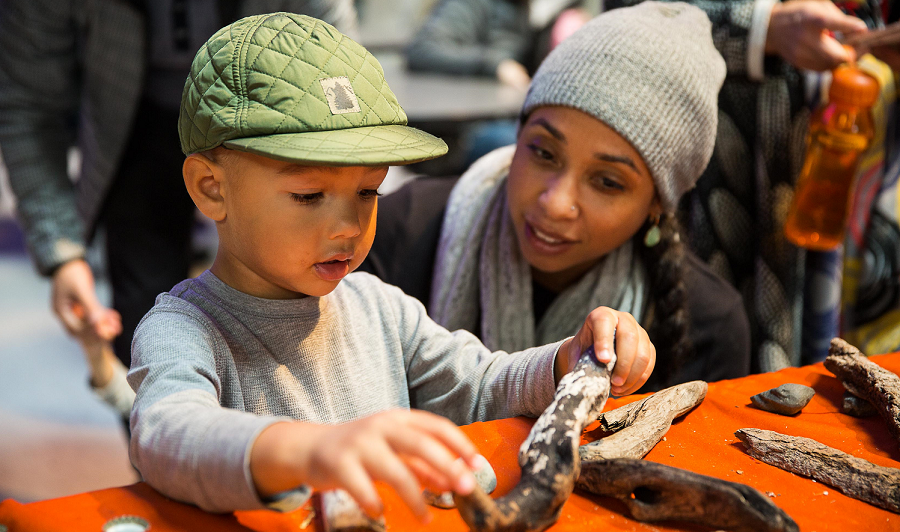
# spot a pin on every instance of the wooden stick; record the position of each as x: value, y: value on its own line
x: 548, y: 457
x: 852, y: 476
x: 867, y: 380
x: 640, y: 425
x: 656, y: 492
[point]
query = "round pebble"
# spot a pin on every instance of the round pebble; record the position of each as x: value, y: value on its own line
x: 787, y: 399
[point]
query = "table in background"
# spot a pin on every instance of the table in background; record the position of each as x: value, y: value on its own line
x: 429, y: 98
x: 703, y: 441
x: 447, y: 106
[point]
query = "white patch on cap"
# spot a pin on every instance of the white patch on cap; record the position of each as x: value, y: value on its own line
x: 340, y: 95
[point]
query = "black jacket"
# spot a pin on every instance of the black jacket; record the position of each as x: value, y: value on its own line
x: 409, y: 227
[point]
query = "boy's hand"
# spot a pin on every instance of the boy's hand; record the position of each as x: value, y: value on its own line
x: 401, y: 448
x: 635, y: 354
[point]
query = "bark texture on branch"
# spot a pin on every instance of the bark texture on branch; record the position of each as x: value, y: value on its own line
x: 657, y: 492
x: 867, y: 380
x: 548, y: 457
x: 640, y: 425
x: 853, y: 476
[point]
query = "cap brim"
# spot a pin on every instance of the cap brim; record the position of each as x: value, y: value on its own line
x: 358, y: 146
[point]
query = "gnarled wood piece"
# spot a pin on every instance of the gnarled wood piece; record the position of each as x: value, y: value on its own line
x: 640, y: 425
x: 868, y: 380
x: 548, y: 457
x: 853, y: 476
x: 339, y: 512
x: 657, y: 492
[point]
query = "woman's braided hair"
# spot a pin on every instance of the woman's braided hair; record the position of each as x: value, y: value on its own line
x: 669, y: 328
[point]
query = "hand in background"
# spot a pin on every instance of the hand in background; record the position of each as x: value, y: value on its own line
x: 889, y: 54
x: 402, y: 448
x: 511, y: 72
x: 799, y: 32
x: 635, y: 353
x: 74, y: 301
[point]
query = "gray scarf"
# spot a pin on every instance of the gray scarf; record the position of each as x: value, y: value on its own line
x: 480, y: 272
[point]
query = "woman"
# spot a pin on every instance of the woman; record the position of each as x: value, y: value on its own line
x: 618, y: 124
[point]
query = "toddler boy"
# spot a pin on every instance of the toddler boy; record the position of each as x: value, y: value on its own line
x: 276, y: 369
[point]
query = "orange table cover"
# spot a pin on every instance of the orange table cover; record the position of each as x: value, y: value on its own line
x: 703, y: 441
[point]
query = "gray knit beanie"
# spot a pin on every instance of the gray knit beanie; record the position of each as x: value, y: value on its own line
x: 651, y: 73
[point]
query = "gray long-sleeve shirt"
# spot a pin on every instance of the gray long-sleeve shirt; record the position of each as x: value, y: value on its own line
x: 213, y: 367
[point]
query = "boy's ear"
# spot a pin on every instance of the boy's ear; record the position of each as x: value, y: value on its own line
x: 203, y: 178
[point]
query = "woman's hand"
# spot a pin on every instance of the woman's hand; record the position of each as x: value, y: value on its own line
x: 635, y: 354
x: 799, y: 31
x: 402, y: 448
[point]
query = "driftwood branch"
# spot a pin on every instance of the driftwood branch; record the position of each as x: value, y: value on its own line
x: 853, y: 476
x: 339, y: 512
x: 656, y: 492
x: 548, y: 457
x: 640, y: 425
x: 867, y: 380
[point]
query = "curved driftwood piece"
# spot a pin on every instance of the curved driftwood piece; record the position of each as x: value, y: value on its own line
x: 856, y: 406
x: 867, y: 380
x: 548, y: 457
x: 853, y: 476
x: 640, y: 425
x: 657, y: 492
x: 339, y: 512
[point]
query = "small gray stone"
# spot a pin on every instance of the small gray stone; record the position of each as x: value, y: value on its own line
x: 857, y: 406
x: 440, y: 500
x: 484, y: 476
x: 787, y: 399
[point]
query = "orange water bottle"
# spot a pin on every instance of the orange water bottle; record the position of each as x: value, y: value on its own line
x: 839, y: 133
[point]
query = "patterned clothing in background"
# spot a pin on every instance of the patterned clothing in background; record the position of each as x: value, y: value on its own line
x: 735, y: 216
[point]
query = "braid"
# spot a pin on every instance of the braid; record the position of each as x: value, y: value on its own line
x: 669, y: 329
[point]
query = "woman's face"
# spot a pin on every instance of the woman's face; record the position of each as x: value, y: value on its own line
x: 576, y: 190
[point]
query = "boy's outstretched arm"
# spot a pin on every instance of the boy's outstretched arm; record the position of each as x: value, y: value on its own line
x: 635, y: 354
x: 399, y: 447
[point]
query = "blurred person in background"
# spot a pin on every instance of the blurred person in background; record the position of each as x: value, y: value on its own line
x: 504, y: 39
x: 735, y: 217
x: 107, y: 76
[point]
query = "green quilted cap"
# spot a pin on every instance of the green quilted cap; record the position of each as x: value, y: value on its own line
x: 294, y: 88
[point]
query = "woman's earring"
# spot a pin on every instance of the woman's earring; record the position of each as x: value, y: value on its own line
x: 653, y: 234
